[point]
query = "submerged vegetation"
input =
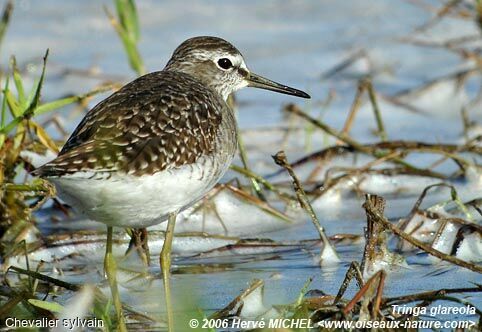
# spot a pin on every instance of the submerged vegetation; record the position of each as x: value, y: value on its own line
x: 36, y: 263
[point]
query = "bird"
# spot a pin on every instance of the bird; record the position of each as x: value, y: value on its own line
x: 158, y: 144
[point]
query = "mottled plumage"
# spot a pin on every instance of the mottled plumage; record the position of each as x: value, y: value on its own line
x: 159, y: 121
x: 161, y: 142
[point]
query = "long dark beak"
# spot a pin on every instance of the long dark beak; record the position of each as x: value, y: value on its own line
x: 257, y: 81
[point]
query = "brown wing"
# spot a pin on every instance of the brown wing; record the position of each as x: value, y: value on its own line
x: 160, y: 120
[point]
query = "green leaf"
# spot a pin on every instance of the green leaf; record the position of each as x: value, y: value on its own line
x: 7, y: 12
x: 31, y: 108
x: 4, y: 112
x: 53, y: 105
x: 18, y: 82
x: 44, y: 108
x: 13, y: 104
x: 48, y: 107
x: 127, y: 12
x: 4, y: 103
x: 128, y: 31
x: 50, y: 306
x: 31, y: 95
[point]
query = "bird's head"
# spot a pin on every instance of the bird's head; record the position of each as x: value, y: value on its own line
x: 221, y: 66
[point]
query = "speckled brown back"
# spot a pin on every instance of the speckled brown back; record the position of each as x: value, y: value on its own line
x: 161, y: 120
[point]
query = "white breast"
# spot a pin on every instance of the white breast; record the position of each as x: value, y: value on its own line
x: 138, y: 201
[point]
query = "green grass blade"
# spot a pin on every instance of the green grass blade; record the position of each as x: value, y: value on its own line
x: 48, y: 107
x: 11, y: 125
x: 7, y: 12
x: 4, y: 112
x: 51, y: 106
x: 127, y: 27
x: 50, y: 306
x: 16, y: 106
x: 4, y: 103
x: 127, y: 12
x: 44, y: 108
x: 17, y: 78
x: 31, y: 95
x: 13, y: 104
x: 34, y: 103
x: 133, y: 21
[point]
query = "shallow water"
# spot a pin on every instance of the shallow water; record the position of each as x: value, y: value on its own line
x: 292, y: 42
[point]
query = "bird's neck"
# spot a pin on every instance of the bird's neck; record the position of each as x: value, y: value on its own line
x: 221, y: 89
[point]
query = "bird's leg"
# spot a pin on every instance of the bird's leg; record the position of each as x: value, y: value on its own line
x: 139, y: 242
x: 110, y: 270
x: 108, y: 250
x: 166, y: 267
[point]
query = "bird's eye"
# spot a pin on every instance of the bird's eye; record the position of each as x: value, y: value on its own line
x: 225, y: 63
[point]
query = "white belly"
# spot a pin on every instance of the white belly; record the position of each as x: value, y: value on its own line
x: 133, y: 201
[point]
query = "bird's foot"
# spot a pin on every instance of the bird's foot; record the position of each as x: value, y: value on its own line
x: 140, y: 243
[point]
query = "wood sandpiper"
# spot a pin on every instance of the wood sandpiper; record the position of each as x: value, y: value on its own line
x: 158, y: 144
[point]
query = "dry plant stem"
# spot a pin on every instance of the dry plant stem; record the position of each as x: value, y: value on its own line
x: 111, y: 271
x: 309, y: 128
x: 420, y: 199
x: 445, y: 10
x: 341, y: 136
x: 234, y: 308
x: 405, y: 146
x: 208, y: 236
x: 245, y: 197
x: 359, y: 54
x: 363, y: 169
x: 268, y: 185
x: 244, y: 159
x: 45, y: 278
x: 377, y: 153
x: 12, y: 302
x: 380, y: 275
x: 208, y: 205
x: 381, y: 219
x: 454, y: 76
x: 376, y: 109
x: 378, y: 298
x: 365, y: 85
x: 354, y: 271
x: 27, y: 263
x: 476, y: 204
x: 280, y: 159
x: 166, y: 268
x: 353, y: 110
x: 466, y: 121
